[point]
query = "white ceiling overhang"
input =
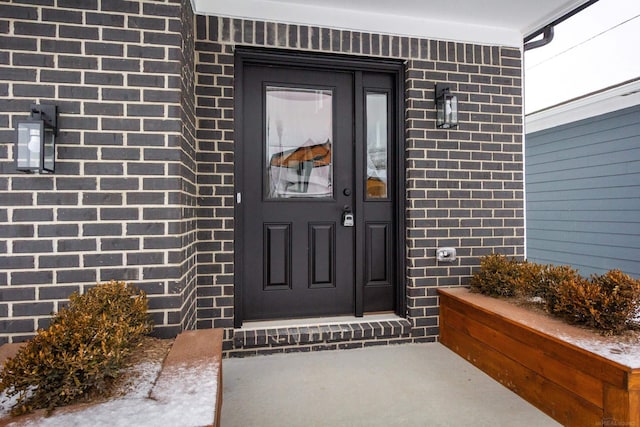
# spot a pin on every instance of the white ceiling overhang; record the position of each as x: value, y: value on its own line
x: 492, y: 22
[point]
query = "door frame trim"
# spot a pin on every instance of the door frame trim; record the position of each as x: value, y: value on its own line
x: 245, y: 56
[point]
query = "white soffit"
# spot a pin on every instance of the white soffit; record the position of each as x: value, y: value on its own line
x: 606, y: 101
x: 491, y: 22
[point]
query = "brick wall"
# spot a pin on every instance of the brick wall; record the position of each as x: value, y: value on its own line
x: 188, y: 173
x: 121, y: 204
x: 464, y: 186
x: 214, y: 111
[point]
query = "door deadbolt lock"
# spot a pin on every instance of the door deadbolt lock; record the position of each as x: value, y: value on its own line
x: 347, y: 219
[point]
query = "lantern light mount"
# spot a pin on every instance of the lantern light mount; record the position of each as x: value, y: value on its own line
x: 36, y: 139
x: 446, y: 107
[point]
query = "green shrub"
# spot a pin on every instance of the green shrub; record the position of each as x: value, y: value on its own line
x: 607, y: 303
x: 498, y: 276
x: 81, y: 352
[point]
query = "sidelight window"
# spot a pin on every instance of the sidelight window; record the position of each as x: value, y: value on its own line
x: 377, y: 152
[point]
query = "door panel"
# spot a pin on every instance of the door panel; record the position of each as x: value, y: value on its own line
x: 298, y: 154
x: 377, y: 254
x: 379, y: 192
x: 322, y: 255
x: 277, y: 256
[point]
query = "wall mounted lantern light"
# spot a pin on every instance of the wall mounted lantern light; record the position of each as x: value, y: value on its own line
x: 35, y: 149
x: 446, y: 107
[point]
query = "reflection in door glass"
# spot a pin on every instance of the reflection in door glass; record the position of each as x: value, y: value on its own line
x: 299, y: 143
x: 376, y: 145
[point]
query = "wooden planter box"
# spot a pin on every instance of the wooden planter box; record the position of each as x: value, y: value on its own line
x: 522, y: 350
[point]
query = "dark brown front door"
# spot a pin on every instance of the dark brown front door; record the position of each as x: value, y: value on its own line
x: 317, y: 197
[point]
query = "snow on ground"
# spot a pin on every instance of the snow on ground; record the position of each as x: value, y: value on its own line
x: 6, y: 404
x: 623, y: 349
x: 620, y: 351
x: 186, y: 397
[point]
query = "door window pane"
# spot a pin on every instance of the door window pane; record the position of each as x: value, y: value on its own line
x: 299, y: 143
x: 377, y: 157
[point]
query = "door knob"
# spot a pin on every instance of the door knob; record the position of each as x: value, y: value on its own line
x: 346, y: 191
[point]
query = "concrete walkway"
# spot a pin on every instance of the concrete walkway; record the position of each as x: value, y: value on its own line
x: 398, y: 385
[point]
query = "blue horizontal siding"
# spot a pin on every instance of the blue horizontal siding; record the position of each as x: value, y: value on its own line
x: 590, y: 239
x: 585, y: 264
x: 583, y: 193
x: 604, y: 227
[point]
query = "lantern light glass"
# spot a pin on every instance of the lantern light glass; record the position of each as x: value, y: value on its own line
x: 446, y: 108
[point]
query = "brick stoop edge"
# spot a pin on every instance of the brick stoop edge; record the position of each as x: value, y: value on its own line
x: 192, y: 350
x: 305, y: 338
